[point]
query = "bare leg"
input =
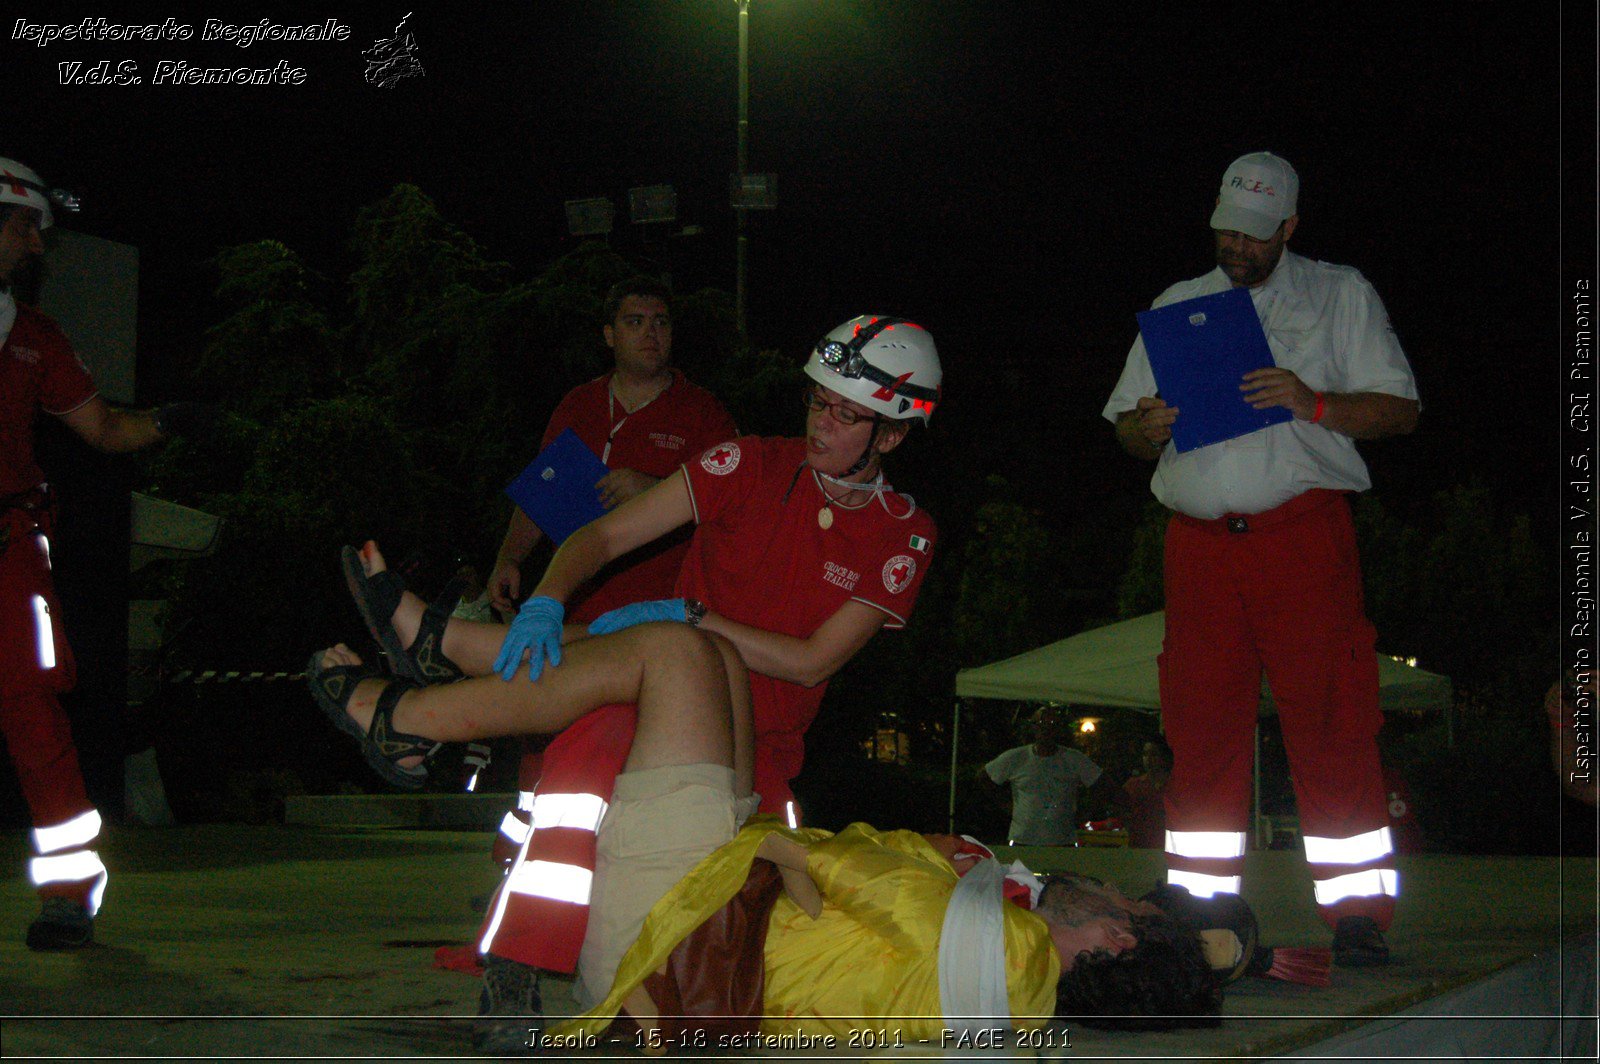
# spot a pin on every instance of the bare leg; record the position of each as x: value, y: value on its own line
x: 744, y: 725
x: 685, y: 712
x: 675, y: 675
x: 472, y: 645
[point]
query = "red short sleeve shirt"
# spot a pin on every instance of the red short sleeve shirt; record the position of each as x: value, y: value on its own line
x: 760, y: 556
x: 655, y: 439
x: 38, y: 371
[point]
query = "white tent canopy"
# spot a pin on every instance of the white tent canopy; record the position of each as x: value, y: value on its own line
x: 1116, y: 666
x: 162, y: 529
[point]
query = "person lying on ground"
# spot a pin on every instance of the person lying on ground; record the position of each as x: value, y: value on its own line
x: 858, y: 939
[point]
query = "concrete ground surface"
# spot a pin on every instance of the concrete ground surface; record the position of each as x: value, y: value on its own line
x: 227, y: 942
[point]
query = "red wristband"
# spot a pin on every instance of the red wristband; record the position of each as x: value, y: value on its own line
x: 1322, y: 408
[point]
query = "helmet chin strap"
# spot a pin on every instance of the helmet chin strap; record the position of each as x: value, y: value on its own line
x: 866, y: 455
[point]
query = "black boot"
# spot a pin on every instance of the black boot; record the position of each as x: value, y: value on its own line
x: 510, y: 1013
x: 1357, y: 943
x: 62, y: 924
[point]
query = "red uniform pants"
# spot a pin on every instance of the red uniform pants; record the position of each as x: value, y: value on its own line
x: 541, y: 911
x: 1280, y: 592
x: 35, y: 667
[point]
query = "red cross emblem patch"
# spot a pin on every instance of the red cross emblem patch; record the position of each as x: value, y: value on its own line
x: 898, y: 571
x: 721, y: 460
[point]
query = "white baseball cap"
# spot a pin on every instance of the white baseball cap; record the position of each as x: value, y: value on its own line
x: 1258, y: 192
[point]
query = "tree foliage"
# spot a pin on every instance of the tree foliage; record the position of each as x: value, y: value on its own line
x: 1140, y: 590
x: 1005, y: 592
x: 395, y: 404
x: 1462, y: 589
x: 416, y: 275
x: 277, y: 345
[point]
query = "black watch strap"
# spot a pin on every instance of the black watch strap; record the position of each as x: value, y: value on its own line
x: 694, y: 611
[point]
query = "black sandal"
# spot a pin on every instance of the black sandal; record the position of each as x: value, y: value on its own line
x: 427, y: 650
x: 382, y: 746
x: 377, y: 596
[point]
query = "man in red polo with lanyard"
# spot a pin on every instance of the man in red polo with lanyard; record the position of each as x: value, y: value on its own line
x: 40, y: 372
x: 644, y: 419
x: 1262, y: 572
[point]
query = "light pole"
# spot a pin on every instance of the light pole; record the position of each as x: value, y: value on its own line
x: 744, y: 161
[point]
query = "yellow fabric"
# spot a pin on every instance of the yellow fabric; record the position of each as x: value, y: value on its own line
x: 872, y: 954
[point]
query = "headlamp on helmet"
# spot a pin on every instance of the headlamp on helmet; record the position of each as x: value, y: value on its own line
x: 21, y: 186
x: 887, y: 364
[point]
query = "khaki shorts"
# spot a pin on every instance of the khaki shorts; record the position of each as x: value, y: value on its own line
x: 660, y: 824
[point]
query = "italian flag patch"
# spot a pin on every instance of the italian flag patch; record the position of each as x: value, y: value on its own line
x: 919, y: 544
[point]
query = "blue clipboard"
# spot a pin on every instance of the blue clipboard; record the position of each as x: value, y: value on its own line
x: 557, y: 490
x: 1199, y: 349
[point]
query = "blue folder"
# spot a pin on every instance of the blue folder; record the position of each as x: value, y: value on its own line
x: 557, y: 490
x: 1199, y: 350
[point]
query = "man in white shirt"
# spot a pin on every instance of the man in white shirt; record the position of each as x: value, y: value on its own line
x: 1261, y: 568
x: 1044, y: 776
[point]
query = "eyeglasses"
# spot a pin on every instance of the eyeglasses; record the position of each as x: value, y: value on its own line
x: 844, y: 415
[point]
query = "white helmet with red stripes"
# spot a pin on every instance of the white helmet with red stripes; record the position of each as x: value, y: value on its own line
x: 20, y: 185
x: 886, y: 364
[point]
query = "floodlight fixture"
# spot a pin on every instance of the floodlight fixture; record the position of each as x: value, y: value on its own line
x: 590, y: 217
x: 652, y: 203
x: 753, y: 192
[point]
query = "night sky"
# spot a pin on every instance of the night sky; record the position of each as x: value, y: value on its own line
x: 1020, y: 177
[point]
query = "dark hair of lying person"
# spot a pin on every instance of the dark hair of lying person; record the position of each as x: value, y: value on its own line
x: 1161, y: 984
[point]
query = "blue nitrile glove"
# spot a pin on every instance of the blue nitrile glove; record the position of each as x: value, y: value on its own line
x: 639, y: 613
x: 537, y: 630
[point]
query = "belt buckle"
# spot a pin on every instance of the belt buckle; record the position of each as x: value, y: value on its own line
x: 1238, y: 524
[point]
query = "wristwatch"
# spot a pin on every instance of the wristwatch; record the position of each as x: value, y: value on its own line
x: 694, y: 611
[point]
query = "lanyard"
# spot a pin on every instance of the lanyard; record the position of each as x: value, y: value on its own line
x: 616, y: 422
